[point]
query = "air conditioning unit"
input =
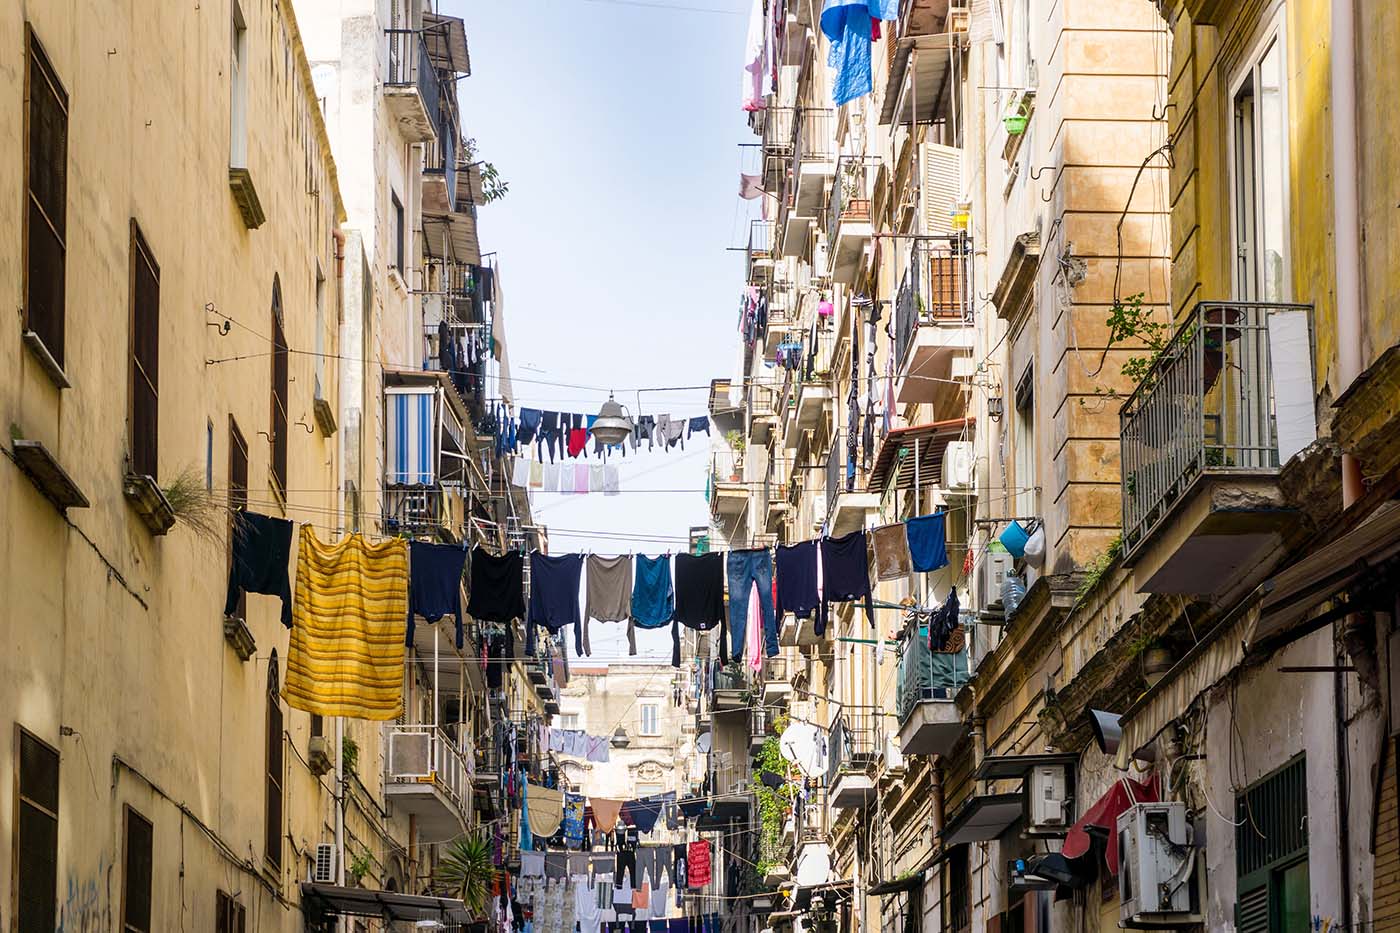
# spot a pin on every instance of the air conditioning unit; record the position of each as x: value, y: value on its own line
x: 957, y: 467
x: 894, y: 754
x: 323, y: 870
x: 992, y: 568
x: 1157, y: 865
x: 1047, y: 799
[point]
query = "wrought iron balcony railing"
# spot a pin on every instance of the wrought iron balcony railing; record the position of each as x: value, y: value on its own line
x: 933, y: 289
x: 921, y: 677
x: 814, y: 135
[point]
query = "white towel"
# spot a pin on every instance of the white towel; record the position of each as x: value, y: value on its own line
x: 520, y: 473
x: 611, y: 480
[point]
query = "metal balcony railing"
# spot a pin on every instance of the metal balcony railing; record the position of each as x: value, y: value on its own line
x: 1205, y: 406
x: 854, y: 740
x: 837, y: 480
x: 814, y: 135
x: 778, y: 129
x: 775, y: 670
x: 919, y: 677
x: 933, y: 289
x: 433, y: 510
x: 440, y: 153
x: 851, y: 192
x: 425, y: 754
x: 810, y: 814
x: 410, y: 66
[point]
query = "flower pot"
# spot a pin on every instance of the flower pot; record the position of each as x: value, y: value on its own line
x: 1015, y: 124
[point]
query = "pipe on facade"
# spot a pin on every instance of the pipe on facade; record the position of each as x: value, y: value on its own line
x: 339, y: 236
x: 1347, y: 244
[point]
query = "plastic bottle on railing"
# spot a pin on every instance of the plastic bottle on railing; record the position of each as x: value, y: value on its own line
x: 1013, y: 590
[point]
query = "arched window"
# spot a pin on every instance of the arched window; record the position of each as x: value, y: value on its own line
x: 278, y: 469
x: 273, y: 829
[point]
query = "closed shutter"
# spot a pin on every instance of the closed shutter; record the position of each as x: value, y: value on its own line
x: 145, y: 356
x: 1386, y: 880
x: 45, y: 228
x: 942, y: 188
x: 279, y: 396
x: 1252, y: 910
x: 1271, y: 847
x: 36, y: 869
x: 136, y: 874
x: 272, y: 839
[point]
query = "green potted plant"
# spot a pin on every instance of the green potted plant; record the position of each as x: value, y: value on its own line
x: 359, y: 867
x: 466, y: 872
x: 738, y: 445
x: 1017, y: 116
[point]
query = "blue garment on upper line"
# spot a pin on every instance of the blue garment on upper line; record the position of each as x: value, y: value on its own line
x: 653, y: 600
x: 928, y: 541
x: 846, y: 24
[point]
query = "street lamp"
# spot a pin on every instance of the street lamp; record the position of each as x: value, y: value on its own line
x: 612, y: 426
x: 620, y: 739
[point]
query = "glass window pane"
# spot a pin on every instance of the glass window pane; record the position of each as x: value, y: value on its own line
x: 1273, y: 191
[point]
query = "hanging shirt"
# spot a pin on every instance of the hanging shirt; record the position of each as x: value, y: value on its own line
x: 698, y: 864
x: 796, y: 573
x: 497, y: 586
x: 554, y: 583
x: 928, y: 542
x: 892, y: 560
x: 846, y: 571
x: 435, y: 584
x: 262, y: 546
x: 347, y: 645
x: 653, y: 602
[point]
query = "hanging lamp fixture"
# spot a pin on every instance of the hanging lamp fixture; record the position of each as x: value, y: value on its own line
x: 612, y: 426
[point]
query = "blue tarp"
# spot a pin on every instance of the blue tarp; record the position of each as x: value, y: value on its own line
x: 846, y: 25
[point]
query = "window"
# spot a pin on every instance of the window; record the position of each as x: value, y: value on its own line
x: 36, y: 837
x: 229, y: 915
x: 45, y: 225
x: 143, y: 415
x: 957, y: 917
x: 1271, y: 853
x: 136, y: 874
x: 569, y: 721
x: 650, y: 717
x: 648, y: 790
x: 237, y: 495
x: 1259, y: 181
x: 238, y: 90
x: 1023, y: 453
x: 278, y: 468
x: 272, y: 840
x: 396, y: 248
x: 320, y: 339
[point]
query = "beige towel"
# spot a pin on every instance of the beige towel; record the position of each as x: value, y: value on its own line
x: 892, y: 560
x: 546, y: 809
x: 605, y: 813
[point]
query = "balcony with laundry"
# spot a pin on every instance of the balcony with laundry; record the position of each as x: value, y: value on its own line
x: 812, y: 383
x: 848, y: 215
x: 848, y: 503
x: 428, y: 457
x: 852, y: 752
x: 413, y: 88
x: 928, y: 681
x: 1227, y: 401
x: 933, y: 332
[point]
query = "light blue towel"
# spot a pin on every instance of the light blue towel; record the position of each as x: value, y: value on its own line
x: 846, y: 25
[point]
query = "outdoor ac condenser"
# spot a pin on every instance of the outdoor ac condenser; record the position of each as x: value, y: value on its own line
x: 323, y: 870
x: 1157, y: 862
x: 991, y: 572
x: 1047, y: 799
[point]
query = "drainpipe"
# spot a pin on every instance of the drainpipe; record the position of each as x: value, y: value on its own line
x: 1347, y: 243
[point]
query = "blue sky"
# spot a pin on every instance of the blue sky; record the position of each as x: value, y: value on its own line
x: 616, y: 126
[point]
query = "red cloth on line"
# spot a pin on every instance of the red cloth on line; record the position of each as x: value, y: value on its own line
x: 578, y: 439
x: 1104, y: 814
x: 698, y: 864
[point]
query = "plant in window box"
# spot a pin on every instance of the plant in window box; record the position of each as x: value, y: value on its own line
x: 149, y: 500
x: 1017, y: 116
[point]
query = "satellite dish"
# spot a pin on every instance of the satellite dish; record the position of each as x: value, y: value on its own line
x: 805, y: 746
x: 814, y: 865
x: 702, y: 744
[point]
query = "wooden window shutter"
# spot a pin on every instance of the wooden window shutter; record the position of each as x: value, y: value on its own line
x: 137, y: 870
x: 279, y: 394
x: 273, y: 835
x: 45, y: 229
x: 145, y: 357
x: 36, y: 862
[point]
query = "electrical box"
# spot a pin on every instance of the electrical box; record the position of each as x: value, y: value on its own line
x: 1047, y: 799
x: 1157, y: 867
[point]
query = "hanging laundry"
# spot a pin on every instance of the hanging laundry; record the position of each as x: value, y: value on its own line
x: 551, y: 477
x: 753, y: 642
x: 549, y: 434
x: 435, y: 585
x: 578, y: 439
x: 573, y: 820
x: 892, y: 559
x: 751, y: 90
x: 497, y: 586
x: 797, y: 578
x: 605, y: 812
x: 545, y: 808
x: 847, y: 26
x: 566, y: 478
x: 262, y: 546
x: 581, y: 478
x: 520, y: 473
x: 643, y: 813
x: 532, y: 864
x: 611, y: 480
x: 702, y: 423
x: 554, y: 583
x: 537, y: 475
x: 675, y: 433
x: 529, y: 424
x: 698, y: 864
x: 346, y: 652
x: 750, y: 186
x: 846, y: 571
x: 928, y: 542
x: 595, y: 477
x: 747, y: 568
x: 653, y: 602
x: 699, y: 588
x: 943, y: 621
x: 610, y: 593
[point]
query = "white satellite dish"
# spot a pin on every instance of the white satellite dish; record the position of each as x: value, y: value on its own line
x: 702, y: 744
x: 804, y: 745
x: 814, y: 865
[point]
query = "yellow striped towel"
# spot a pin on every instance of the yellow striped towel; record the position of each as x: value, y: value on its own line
x: 348, y: 618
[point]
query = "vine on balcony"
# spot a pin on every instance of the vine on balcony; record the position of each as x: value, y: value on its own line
x: 774, y: 803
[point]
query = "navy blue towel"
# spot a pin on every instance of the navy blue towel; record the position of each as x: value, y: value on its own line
x: 928, y: 541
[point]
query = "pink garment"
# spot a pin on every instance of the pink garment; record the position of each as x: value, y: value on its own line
x: 753, y: 637
x: 580, y: 477
x: 750, y: 186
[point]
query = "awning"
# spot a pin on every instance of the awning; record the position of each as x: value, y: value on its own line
x: 452, y: 237
x: 1006, y: 767
x: 1357, y: 559
x: 983, y: 818
x: 330, y: 900
x: 909, y: 882
x: 1102, y: 818
x: 1052, y: 870
x: 932, y: 440
x: 1203, y: 666
x: 445, y: 38
x: 932, y: 56
x: 802, y: 895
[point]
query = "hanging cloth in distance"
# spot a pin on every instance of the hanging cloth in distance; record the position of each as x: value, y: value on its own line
x: 891, y: 546
x: 497, y: 586
x: 554, y: 583
x: 699, y: 585
x: 846, y: 571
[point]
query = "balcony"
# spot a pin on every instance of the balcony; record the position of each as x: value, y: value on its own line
x: 426, y: 450
x: 932, y: 317
x: 433, y: 511
x: 922, y: 18
x: 426, y: 775
x: 776, y: 506
x: 854, y: 747
x: 778, y: 123
x: 759, y: 253
x: 763, y: 414
x: 929, y: 721
x: 848, y: 228
x: 813, y: 159
x: 847, y: 508
x: 440, y: 165
x: 729, y: 494
x: 777, y: 683
x: 412, y: 91
x: 730, y: 692
x: 1226, y: 402
x: 760, y: 727
x: 919, y: 89
x: 813, y: 390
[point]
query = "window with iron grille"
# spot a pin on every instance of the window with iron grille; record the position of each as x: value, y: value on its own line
x: 278, y: 469
x: 143, y: 415
x: 1271, y: 853
x: 273, y: 830
x: 956, y: 897
x: 45, y: 225
x: 36, y: 837
x: 136, y: 873
x: 229, y: 915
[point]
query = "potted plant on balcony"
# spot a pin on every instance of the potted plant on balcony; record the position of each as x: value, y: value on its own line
x: 466, y: 872
x: 1017, y: 116
x: 738, y: 445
